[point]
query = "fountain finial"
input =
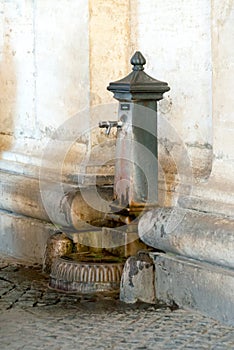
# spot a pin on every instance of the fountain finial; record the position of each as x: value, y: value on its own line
x: 138, y: 61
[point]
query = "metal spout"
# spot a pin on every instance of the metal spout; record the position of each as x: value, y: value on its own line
x: 109, y: 125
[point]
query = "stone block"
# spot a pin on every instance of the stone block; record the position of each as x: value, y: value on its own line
x: 24, y: 237
x: 137, y: 282
x: 190, y: 233
x: 57, y: 245
x: 193, y: 284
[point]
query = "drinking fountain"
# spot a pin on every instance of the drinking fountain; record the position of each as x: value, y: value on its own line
x: 135, y: 187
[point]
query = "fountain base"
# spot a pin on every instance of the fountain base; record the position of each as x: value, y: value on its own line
x: 86, y: 273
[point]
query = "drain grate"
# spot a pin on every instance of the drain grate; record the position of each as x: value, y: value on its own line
x: 86, y: 273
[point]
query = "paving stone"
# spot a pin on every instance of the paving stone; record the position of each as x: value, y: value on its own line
x: 46, y: 319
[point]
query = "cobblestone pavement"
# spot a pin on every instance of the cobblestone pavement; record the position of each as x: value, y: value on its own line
x: 35, y: 317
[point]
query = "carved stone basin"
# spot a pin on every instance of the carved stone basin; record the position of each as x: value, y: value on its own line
x: 86, y: 273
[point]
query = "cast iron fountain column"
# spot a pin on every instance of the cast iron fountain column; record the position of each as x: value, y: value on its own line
x: 136, y: 168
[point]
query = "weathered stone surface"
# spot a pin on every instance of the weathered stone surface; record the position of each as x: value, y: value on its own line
x: 47, y: 319
x: 190, y: 233
x: 62, y: 203
x: 188, y: 110
x: 195, y: 285
x: 21, y: 194
x: 137, y: 282
x: 24, y: 237
x: 208, y: 204
x: 57, y: 245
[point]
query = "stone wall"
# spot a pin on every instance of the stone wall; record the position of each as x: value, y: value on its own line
x: 188, y: 44
x: 55, y: 63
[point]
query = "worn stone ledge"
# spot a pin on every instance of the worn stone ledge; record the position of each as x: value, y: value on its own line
x: 21, y: 194
x: 92, y: 173
x: 23, y: 237
x: 190, y: 233
x: 65, y: 204
x: 192, y: 284
x: 208, y: 205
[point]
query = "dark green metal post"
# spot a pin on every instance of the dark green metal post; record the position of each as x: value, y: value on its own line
x: 136, y: 172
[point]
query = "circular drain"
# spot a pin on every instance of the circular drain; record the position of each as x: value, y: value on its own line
x: 86, y: 273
